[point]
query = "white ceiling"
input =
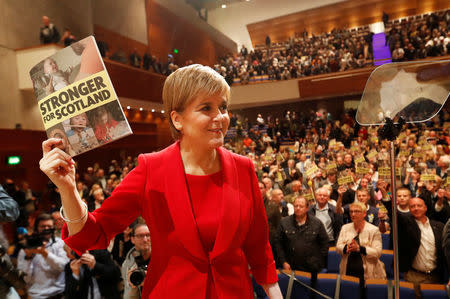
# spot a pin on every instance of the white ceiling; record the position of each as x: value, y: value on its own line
x: 233, y: 19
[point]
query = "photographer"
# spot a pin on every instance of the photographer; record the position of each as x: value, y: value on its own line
x: 43, y: 260
x: 10, y: 278
x: 91, y: 275
x: 134, y: 268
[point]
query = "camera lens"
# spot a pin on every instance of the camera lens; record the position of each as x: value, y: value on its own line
x: 137, y: 277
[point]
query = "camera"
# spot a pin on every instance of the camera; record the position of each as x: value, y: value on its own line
x: 36, y: 240
x: 10, y: 274
x: 138, y: 275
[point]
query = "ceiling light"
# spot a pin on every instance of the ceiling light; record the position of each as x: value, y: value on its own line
x: 224, y: 6
x: 140, y: 109
x: 162, y: 111
x: 153, y: 110
x: 128, y: 107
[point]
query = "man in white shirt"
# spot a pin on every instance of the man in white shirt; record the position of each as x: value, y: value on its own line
x: 44, y: 265
x: 420, y: 246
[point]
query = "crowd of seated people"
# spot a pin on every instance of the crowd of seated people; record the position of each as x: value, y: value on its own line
x: 419, y: 37
x: 312, y: 169
x: 302, y: 55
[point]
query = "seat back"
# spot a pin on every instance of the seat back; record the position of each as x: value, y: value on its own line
x: 386, y: 239
x: 349, y: 287
x: 333, y: 261
x: 433, y: 291
x: 298, y: 290
x: 376, y: 289
x: 283, y: 282
x: 387, y: 257
x: 258, y: 290
x: 406, y: 290
x: 326, y: 284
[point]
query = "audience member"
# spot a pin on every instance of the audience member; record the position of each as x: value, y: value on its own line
x: 91, y: 275
x: 137, y: 256
x: 48, y: 33
x: 420, y: 246
x: 44, y: 265
x: 326, y: 213
x: 359, y: 244
x: 302, y: 241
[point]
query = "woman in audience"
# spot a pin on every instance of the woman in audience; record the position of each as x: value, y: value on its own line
x: 202, y: 203
x: 360, y: 246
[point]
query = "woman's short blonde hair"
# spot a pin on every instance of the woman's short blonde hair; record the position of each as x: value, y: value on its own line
x: 360, y: 205
x: 186, y: 84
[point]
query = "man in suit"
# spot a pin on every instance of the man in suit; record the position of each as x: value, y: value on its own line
x: 91, y: 275
x: 420, y: 245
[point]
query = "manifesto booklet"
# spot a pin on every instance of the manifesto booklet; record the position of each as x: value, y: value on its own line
x: 76, y: 98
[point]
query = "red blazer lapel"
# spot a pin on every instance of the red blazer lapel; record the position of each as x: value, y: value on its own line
x: 179, y: 204
x: 230, y: 212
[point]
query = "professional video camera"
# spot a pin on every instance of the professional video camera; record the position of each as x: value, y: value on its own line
x: 8, y: 273
x: 36, y: 239
x: 138, y: 275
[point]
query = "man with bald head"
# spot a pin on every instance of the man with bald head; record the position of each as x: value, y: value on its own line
x: 277, y: 197
x: 420, y: 246
x: 48, y: 33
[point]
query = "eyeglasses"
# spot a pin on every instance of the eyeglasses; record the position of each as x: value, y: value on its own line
x: 142, y: 236
x: 355, y: 211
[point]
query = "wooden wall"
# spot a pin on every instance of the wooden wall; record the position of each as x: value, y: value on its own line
x: 167, y: 31
x: 117, y: 42
x: 134, y: 83
x: 346, y: 14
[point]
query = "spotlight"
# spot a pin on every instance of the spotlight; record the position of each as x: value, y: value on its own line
x: 140, y: 109
x: 128, y: 107
x: 153, y: 110
x: 224, y: 6
x: 162, y: 111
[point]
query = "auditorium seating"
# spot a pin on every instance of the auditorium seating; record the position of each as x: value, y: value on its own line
x: 433, y: 291
x: 387, y: 257
x: 378, y: 289
x: 333, y: 261
x: 386, y: 239
x: 349, y: 286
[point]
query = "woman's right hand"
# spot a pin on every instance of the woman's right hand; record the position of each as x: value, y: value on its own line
x: 57, y: 164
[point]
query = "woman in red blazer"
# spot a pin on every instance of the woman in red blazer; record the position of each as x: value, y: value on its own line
x: 201, y: 203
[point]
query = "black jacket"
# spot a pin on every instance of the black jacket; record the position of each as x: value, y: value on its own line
x: 409, y: 242
x: 336, y: 220
x: 105, y: 272
x: 304, y: 247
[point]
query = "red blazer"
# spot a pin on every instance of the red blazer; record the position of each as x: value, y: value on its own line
x: 156, y: 189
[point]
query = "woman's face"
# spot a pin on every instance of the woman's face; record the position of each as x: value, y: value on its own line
x: 50, y: 66
x: 204, y: 122
x: 79, y: 120
x: 104, y: 119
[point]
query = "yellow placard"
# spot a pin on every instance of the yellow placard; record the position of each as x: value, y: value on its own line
x: 344, y: 180
x: 76, y: 98
x: 428, y: 177
x: 360, y: 159
x: 384, y: 171
x: 311, y: 171
x: 372, y: 154
x: 362, y: 170
x: 331, y: 166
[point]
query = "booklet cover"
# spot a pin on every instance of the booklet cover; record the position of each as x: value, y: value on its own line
x: 77, y: 100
